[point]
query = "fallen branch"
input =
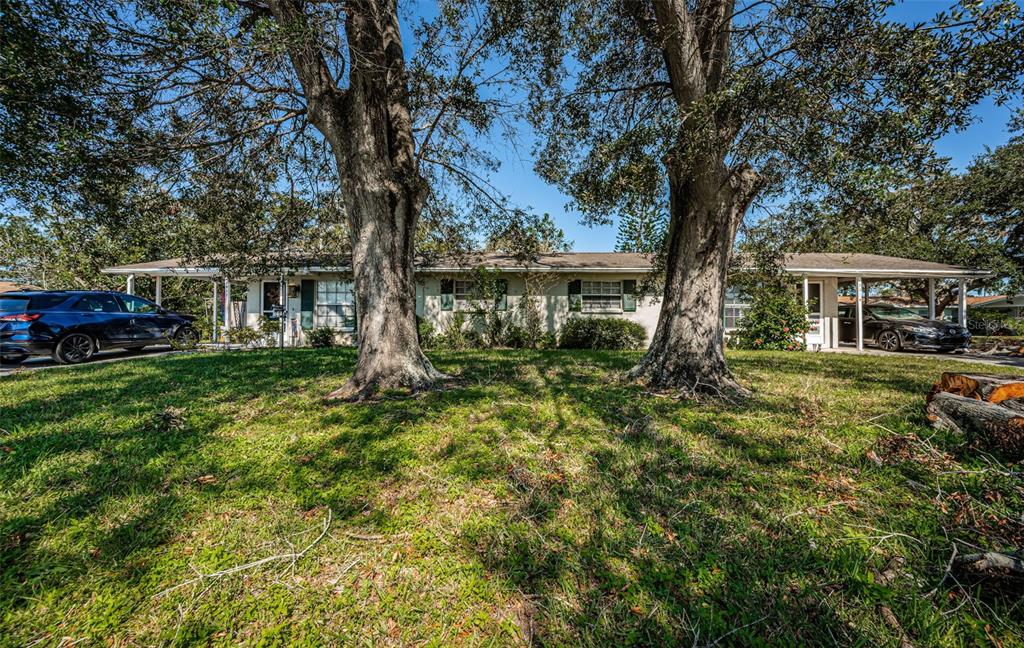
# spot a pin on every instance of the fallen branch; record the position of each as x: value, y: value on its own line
x: 990, y: 563
x: 293, y: 557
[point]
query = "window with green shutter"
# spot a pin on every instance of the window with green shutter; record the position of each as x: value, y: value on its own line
x: 447, y: 294
x: 501, y: 301
x: 308, y: 304
x: 576, y: 295
x: 629, y: 295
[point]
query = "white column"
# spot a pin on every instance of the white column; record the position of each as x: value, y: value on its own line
x: 860, y: 314
x: 931, y: 299
x: 807, y: 294
x: 227, y: 304
x: 962, y: 294
x: 213, y: 313
x: 159, y: 290
x: 130, y: 288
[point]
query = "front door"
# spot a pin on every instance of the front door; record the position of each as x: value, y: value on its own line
x: 148, y: 324
x: 814, y: 334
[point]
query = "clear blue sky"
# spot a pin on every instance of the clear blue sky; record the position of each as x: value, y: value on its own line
x: 516, y: 178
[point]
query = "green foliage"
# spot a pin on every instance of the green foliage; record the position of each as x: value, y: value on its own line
x: 426, y: 334
x: 458, y: 334
x: 775, y: 321
x: 606, y: 333
x: 993, y: 322
x: 321, y: 337
x: 244, y: 336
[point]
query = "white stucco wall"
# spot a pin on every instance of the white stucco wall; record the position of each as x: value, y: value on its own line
x: 554, y: 303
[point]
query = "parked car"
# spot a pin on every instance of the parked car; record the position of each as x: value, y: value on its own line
x: 72, y: 325
x: 893, y: 328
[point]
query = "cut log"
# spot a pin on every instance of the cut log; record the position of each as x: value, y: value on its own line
x: 984, y: 424
x: 991, y: 563
x: 994, y: 388
x: 1015, y: 404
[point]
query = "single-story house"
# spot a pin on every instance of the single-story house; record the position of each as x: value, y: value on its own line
x: 569, y: 284
x: 1009, y: 305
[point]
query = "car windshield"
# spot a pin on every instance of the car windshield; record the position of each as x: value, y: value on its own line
x: 893, y: 312
x: 22, y: 303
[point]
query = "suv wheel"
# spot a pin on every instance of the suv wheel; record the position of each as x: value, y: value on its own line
x: 185, y: 338
x: 74, y: 348
x: 889, y: 340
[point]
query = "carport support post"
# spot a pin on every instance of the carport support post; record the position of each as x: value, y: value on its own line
x: 962, y: 296
x: 130, y: 288
x: 860, y: 314
x: 807, y: 294
x: 227, y: 304
x: 159, y: 290
x: 931, y: 299
x: 213, y: 314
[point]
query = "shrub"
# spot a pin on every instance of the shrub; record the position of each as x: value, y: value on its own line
x: 321, y: 337
x: 244, y: 336
x: 516, y: 337
x: 993, y: 322
x: 601, y: 333
x: 776, y: 320
x: 426, y: 334
x: 457, y: 336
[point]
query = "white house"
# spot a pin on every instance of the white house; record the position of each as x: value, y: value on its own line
x: 569, y: 284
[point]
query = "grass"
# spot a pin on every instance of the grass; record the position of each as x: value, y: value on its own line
x: 542, y: 500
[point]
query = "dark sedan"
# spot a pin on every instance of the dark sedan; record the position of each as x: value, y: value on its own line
x: 893, y: 328
x: 73, y: 325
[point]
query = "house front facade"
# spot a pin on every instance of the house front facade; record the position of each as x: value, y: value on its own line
x: 565, y: 285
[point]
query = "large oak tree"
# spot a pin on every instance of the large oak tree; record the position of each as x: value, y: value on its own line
x: 711, y: 105
x: 314, y: 99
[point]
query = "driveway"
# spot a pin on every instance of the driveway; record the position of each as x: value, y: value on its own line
x: 115, y: 355
x: 994, y: 360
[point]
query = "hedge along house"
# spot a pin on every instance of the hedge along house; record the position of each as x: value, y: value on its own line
x: 570, y: 284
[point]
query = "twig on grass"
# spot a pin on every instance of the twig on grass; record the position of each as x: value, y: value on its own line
x: 293, y: 557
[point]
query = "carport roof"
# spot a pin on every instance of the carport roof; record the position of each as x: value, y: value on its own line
x: 812, y: 264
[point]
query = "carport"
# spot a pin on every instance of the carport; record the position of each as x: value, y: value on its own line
x: 823, y: 275
x: 178, y: 268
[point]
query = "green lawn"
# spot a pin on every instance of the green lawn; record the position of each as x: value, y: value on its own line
x: 542, y: 499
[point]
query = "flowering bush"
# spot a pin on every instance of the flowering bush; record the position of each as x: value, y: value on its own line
x: 775, y: 321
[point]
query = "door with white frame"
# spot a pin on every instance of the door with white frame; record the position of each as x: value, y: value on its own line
x: 815, y: 335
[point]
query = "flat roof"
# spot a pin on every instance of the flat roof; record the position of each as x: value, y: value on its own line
x: 811, y: 264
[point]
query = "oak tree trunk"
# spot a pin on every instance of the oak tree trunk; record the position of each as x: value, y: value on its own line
x: 369, y: 128
x: 687, y: 352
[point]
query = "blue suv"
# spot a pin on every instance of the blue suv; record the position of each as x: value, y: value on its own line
x: 72, y: 325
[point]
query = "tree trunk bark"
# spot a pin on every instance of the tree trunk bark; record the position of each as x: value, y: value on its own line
x: 369, y: 128
x: 686, y: 353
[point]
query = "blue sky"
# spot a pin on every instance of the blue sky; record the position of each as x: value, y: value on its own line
x: 516, y: 178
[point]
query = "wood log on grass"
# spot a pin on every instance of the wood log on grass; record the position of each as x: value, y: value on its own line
x: 984, y: 424
x: 994, y: 388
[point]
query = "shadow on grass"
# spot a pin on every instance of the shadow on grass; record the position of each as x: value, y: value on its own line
x: 622, y: 518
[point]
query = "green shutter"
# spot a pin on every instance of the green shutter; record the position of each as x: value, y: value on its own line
x: 501, y: 301
x: 447, y: 294
x: 576, y: 295
x: 308, y: 303
x: 629, y: 295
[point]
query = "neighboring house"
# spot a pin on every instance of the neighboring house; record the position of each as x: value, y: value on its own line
x: 569, y: 284
x: 1010, y: 305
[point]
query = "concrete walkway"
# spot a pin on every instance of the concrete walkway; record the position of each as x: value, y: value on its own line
x: 977, y: 358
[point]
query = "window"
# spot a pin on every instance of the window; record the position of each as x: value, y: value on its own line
x: 98, y: 304
x: 736, y: 306
x: 465, y: 295
x: 271, y: 298
x: 335, y: 305
x: 21, y: 303
x: 137, y: 305
x: 602, y: 296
